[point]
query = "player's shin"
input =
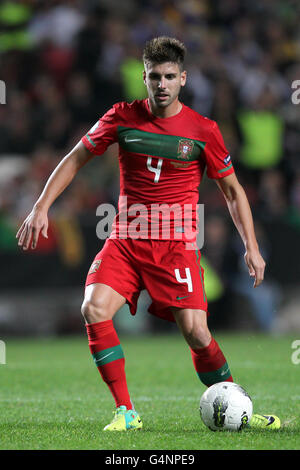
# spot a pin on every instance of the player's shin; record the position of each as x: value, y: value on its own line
x: 210, y: 364
x: 109, y: 358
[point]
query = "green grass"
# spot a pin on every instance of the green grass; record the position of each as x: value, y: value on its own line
x: 52, y: 396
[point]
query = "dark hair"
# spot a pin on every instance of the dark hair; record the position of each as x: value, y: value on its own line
x: 164, y: 49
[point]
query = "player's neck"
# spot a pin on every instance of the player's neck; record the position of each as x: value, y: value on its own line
x: 169, y: 111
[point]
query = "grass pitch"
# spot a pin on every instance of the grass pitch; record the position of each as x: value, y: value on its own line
x: 52, y: 396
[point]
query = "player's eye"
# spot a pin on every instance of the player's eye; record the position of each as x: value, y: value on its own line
x: 154, y: 76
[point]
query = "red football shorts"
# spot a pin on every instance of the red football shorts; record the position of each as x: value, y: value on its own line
x: 171, y: 274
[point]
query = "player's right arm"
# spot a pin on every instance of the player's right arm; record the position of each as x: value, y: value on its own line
x: 37, y: 221
x: 95, y: 142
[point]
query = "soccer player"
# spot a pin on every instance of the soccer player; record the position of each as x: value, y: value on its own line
x: 164, y: 149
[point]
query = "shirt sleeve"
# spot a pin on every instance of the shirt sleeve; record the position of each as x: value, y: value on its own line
x: 218, y: 160
x: 102, y: 134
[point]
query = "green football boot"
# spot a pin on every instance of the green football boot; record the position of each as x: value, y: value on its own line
x: 271, y: 422
x: 124, y: 420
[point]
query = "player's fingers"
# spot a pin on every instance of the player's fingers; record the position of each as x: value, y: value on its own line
x: 259, y: 275
x: 27, y: 237
x: 45, y: 231
x: 20, y: 230
x: 252, y: 272
x: 251, y: 269
x: 35, y: 237
x: 22, y: 235
x: 249, y: 265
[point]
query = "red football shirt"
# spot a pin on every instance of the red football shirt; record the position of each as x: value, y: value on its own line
x: 162, y: 162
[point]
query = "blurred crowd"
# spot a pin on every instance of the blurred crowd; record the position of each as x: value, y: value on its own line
x: 65, y: 63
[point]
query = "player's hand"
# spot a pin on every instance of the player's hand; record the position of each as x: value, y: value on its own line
x: 256, y: 266
x: 34, y: 224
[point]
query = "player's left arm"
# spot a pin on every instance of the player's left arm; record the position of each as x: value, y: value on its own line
x: 241, y: 215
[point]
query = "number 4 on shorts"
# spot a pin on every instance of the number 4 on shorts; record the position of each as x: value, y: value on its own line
x: 185, y: 280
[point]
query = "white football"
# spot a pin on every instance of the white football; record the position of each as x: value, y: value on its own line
x: 225, y: 406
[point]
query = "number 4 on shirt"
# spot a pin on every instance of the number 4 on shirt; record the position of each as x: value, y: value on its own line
x: 154, y: 170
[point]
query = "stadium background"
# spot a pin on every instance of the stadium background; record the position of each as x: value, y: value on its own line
x: 64, y: 64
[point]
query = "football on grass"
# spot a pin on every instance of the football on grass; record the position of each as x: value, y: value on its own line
x: 225, y: 406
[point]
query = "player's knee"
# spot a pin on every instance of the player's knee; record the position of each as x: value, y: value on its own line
x: 198, y: 337
x: 95, y: 311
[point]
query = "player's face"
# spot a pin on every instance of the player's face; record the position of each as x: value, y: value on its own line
x: 163, y: 82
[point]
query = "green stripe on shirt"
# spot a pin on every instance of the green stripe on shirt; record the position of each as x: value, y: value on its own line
x: 225, y: 169
x: 159, y: 145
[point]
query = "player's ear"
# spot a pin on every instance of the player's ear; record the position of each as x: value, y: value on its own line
x: 183, y: 78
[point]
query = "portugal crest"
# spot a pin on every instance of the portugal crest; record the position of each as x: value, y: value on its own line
x: 185, y: 148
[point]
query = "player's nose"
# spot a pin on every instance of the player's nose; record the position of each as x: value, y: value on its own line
x: 162, y: 83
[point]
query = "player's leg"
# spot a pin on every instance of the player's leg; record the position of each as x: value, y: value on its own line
x: 179, y: 294
x: 112, y: 280
x: 208, y: 359
x: 100, y: 304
